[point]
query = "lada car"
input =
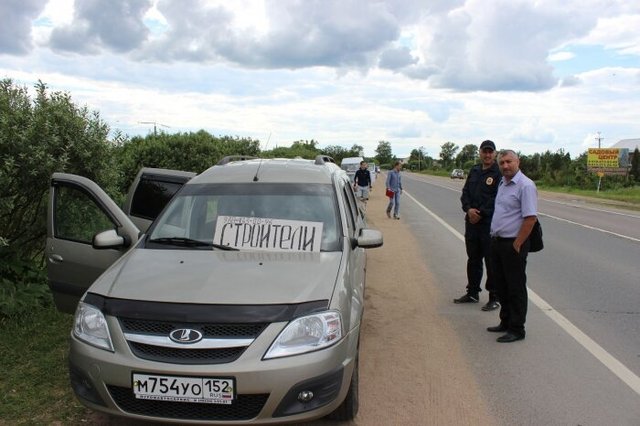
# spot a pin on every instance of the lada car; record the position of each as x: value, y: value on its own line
x: 241, y: 303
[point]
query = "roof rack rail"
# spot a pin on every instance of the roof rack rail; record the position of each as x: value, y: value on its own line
x: 230, y: 158
x: 322, y: 159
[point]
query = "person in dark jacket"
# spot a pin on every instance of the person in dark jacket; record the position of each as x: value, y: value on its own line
x: 478, y: 200
x: 362, y: 181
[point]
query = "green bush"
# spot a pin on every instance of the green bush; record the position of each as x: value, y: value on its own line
x: 23, y: 285
x: 194, y: 152
x: 38, y: 137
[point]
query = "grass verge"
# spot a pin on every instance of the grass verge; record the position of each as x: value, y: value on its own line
x: 35, y: 383
x: 629, y: 195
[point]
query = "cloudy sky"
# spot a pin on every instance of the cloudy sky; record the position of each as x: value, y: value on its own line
x: 532, y: 75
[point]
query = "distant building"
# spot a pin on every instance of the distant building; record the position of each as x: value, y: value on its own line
x: 632, y: 144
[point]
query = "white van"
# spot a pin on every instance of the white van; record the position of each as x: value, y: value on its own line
x: 352, y: 164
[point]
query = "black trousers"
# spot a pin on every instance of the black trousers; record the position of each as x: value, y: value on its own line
x: 509, y: 269
x: 478, y: 244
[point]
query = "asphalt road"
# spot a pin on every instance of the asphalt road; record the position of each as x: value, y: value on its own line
x: 580, y: 362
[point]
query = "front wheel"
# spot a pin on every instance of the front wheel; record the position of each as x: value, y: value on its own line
x: 349, y: 408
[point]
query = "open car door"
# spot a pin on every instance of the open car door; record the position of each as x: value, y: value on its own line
x: 86, y: 233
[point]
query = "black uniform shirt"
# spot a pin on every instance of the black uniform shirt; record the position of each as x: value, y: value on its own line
x: 363, y: 177
x: 480, y: 190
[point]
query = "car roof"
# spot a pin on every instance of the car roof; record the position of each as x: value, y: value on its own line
x: 272, y: 170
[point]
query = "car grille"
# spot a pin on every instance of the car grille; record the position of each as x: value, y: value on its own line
x: 245, y: 407
x: 188, y: 356
x: 209, y: 330
x: 185, y: 356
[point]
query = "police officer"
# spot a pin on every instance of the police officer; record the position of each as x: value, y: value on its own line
x: 478, y: 199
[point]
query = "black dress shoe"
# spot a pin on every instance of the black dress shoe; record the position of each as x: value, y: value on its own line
x: 491, y: 305
x: 510, y: 337
x: 497, y: 329
x: 467, y: 298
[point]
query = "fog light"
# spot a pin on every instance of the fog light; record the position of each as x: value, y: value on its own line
x: 305, y: 396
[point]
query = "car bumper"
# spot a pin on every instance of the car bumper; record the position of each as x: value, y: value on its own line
x: 266, y: 390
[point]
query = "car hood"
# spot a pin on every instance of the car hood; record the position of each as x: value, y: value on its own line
x: 220, y: 277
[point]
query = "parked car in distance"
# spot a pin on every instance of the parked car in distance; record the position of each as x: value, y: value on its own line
x: 457, y: 174
x: 242, y: 303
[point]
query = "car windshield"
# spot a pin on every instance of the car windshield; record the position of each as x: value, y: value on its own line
x: 351, y: 167
x: 250, y: 216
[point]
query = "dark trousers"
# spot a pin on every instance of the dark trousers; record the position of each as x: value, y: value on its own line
x: 509, y: 269
x: 478, y: 244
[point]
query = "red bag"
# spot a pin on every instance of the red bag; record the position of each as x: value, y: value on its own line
x: 390, y: 193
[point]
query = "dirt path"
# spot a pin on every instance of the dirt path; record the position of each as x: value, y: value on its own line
x: 412, y: 368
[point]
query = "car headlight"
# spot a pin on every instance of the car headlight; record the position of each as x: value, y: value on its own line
x: 90, y: 326
x: 307, y: 334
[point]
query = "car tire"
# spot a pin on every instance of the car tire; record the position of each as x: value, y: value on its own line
x: 349, y: 408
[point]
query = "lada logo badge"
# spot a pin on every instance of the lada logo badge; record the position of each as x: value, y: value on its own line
x: 185, y: 335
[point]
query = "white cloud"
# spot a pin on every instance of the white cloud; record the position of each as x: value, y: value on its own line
x: 561, y: 56
x: 340, y: 71
x: 15, y: 25
x: 618, y: 33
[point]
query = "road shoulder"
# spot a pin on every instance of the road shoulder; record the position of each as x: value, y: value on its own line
x: 412, y: 367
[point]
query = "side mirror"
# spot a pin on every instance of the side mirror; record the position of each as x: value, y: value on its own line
x: 108, y: 240
x: 370, y: 238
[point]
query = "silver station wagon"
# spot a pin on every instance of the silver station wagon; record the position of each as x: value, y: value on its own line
x: 241, y: 303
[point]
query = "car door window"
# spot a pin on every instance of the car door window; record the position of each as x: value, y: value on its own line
x: 350, y: 206
x: 151, y: 196
x: 77, y: 216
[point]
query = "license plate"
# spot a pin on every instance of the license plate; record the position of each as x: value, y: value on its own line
x: 208, y: 390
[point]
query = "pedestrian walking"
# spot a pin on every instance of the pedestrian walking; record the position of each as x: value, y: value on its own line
x: 394, y: 189
x: 362, y: 181
x: 514, y: 216
x: 478, y: 198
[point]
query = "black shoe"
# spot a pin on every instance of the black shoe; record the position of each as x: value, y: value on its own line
x: 510, y: 337
x: 491, y: 305
x: 389, y: 214
x: 396, y: 217
x: 497, y: 329
x: 467, y: 298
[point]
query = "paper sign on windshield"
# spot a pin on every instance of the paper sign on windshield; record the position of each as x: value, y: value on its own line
x: 257, y: 233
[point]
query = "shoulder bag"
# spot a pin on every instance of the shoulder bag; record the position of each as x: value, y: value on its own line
x: 535, y: 239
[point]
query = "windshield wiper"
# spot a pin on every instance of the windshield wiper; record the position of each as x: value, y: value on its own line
x: 189, y: 242
x: 221, y: 247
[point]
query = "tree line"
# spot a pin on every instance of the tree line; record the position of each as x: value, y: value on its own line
x: 547, y: 168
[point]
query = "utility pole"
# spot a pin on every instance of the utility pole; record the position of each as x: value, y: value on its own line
x: 599, y: 138
x: 155, y: 123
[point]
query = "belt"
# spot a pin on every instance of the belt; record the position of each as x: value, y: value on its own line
x: 502, y: 239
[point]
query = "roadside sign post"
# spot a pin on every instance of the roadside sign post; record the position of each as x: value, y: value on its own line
x: 600, y: 175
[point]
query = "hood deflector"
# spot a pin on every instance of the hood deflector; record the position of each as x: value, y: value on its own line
x: 194, y: 312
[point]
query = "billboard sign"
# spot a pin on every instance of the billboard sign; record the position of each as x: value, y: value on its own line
x: 610, y: 161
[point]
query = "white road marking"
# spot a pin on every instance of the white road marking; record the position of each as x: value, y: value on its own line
x: 562, y: 219
x: 591, y: 227
x: 564, y: 203
x: 615, y: 366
